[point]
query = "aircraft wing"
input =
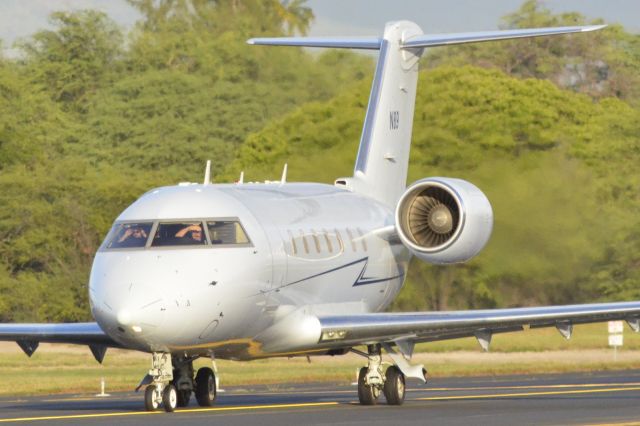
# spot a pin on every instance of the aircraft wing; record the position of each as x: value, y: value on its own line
x: 29, y: 336
x: 431, y: 326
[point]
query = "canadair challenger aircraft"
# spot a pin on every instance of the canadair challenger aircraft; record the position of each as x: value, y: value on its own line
x: 247, y: 271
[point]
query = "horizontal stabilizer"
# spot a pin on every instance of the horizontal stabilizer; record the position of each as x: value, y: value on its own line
x: 419, y: 41
x: 372, y: 43
x: 433, y: 40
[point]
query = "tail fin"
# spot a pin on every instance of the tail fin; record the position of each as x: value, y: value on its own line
x: 383, y: 156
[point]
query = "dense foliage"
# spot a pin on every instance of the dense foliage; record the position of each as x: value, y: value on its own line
x: 91, y: 118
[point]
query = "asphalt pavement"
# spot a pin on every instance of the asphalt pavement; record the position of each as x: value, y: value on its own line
x: 593, y: 398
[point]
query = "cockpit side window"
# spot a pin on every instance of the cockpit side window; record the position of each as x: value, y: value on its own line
x: 227, y: 232
x: 130, y: 235
x: 179, y: 234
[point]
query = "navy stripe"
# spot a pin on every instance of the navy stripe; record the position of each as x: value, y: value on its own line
x: 364, y: 259
x: 360, y: 280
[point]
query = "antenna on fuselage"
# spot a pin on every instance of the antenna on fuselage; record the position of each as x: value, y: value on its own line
x: 241, y: 180
x: 207, y: 173
x: 283, y: 180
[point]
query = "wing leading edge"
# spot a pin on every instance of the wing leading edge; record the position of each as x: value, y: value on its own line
x: 431, y: 326
x: 29, y: 336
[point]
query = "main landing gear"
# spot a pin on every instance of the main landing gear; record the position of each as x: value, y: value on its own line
x: 372, y: 381
x: 171, y: 383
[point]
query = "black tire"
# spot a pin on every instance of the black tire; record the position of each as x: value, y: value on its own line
x: 368, y: 395
x: 205, y: 387
x: 170, y: 398
x: 150, y: 403
x: 184, y: 395
x: 394, y: 386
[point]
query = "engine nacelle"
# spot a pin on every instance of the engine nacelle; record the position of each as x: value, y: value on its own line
x: 444, y: 220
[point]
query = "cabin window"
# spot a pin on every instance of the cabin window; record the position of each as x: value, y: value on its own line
x: 316, y: 240
x: 327, y: 240
x: 353, y: 243
x: 339, y: 237
x: 179, y: 234
x: 130, y: 235
x: 304, y: 242
x: 226, y: 232
x: 362, y: 239
x: 294, y: 247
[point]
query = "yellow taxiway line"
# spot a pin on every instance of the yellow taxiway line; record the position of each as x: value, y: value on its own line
x: 522, y: 394
x: 333, y: 403
x: 192, y: 410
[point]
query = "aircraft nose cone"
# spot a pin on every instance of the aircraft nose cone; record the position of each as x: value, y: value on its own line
x: 123, y: 317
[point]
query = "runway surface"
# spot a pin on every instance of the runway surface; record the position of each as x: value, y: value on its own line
x: 598, y: 398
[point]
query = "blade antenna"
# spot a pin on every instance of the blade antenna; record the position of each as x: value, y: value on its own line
x: 207, y: 173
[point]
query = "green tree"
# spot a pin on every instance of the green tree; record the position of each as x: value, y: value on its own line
x: 76, y: 58
x: 601, y: 64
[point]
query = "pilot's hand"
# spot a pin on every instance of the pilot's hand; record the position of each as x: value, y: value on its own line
x: 126, y: 235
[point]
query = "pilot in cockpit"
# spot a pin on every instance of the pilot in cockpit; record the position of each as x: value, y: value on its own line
x: 132, y: 237
x: 191, y: 232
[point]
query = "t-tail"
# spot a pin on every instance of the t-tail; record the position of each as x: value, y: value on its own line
x: 383, y: 156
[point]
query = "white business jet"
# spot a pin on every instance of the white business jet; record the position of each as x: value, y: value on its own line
x: 245, y: 271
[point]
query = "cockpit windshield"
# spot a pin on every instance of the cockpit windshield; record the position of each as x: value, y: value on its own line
x: 179, y: 234
x: 129, y: 235
x: 223, y: 232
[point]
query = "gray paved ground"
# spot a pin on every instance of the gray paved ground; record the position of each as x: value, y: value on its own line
x: 537, y: 400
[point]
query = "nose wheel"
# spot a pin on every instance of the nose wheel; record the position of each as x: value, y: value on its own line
x: 170, y: 398
x: 150, y: 398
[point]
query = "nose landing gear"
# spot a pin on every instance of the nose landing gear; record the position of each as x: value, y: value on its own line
x: 161, y: 390
x: 171, y: 383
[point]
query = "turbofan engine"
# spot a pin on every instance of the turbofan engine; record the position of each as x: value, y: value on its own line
x: 444, y: 220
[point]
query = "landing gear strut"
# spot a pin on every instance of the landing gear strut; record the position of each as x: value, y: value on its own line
x: 372, y: 382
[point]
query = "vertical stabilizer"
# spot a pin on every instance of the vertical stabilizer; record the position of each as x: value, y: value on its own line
x: 383, y: 156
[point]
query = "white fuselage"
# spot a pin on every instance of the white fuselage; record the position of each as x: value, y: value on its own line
x: 311, y: 248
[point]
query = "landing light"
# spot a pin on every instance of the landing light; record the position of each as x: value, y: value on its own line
x: 334, y: 335
x: 136, y: 329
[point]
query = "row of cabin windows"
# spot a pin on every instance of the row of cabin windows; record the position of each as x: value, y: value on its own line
x: 303, y: 243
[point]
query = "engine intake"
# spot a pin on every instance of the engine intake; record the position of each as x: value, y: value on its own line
x: 444, y: 220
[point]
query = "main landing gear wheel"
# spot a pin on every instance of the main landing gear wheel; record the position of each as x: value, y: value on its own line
x: 150, y: 401
x: 368, y: 395
x: 394, y: 388
x: 205, y: 387
x: 170, y: 398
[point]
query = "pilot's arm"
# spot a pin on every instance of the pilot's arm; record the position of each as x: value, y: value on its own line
x: 181, y: 233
